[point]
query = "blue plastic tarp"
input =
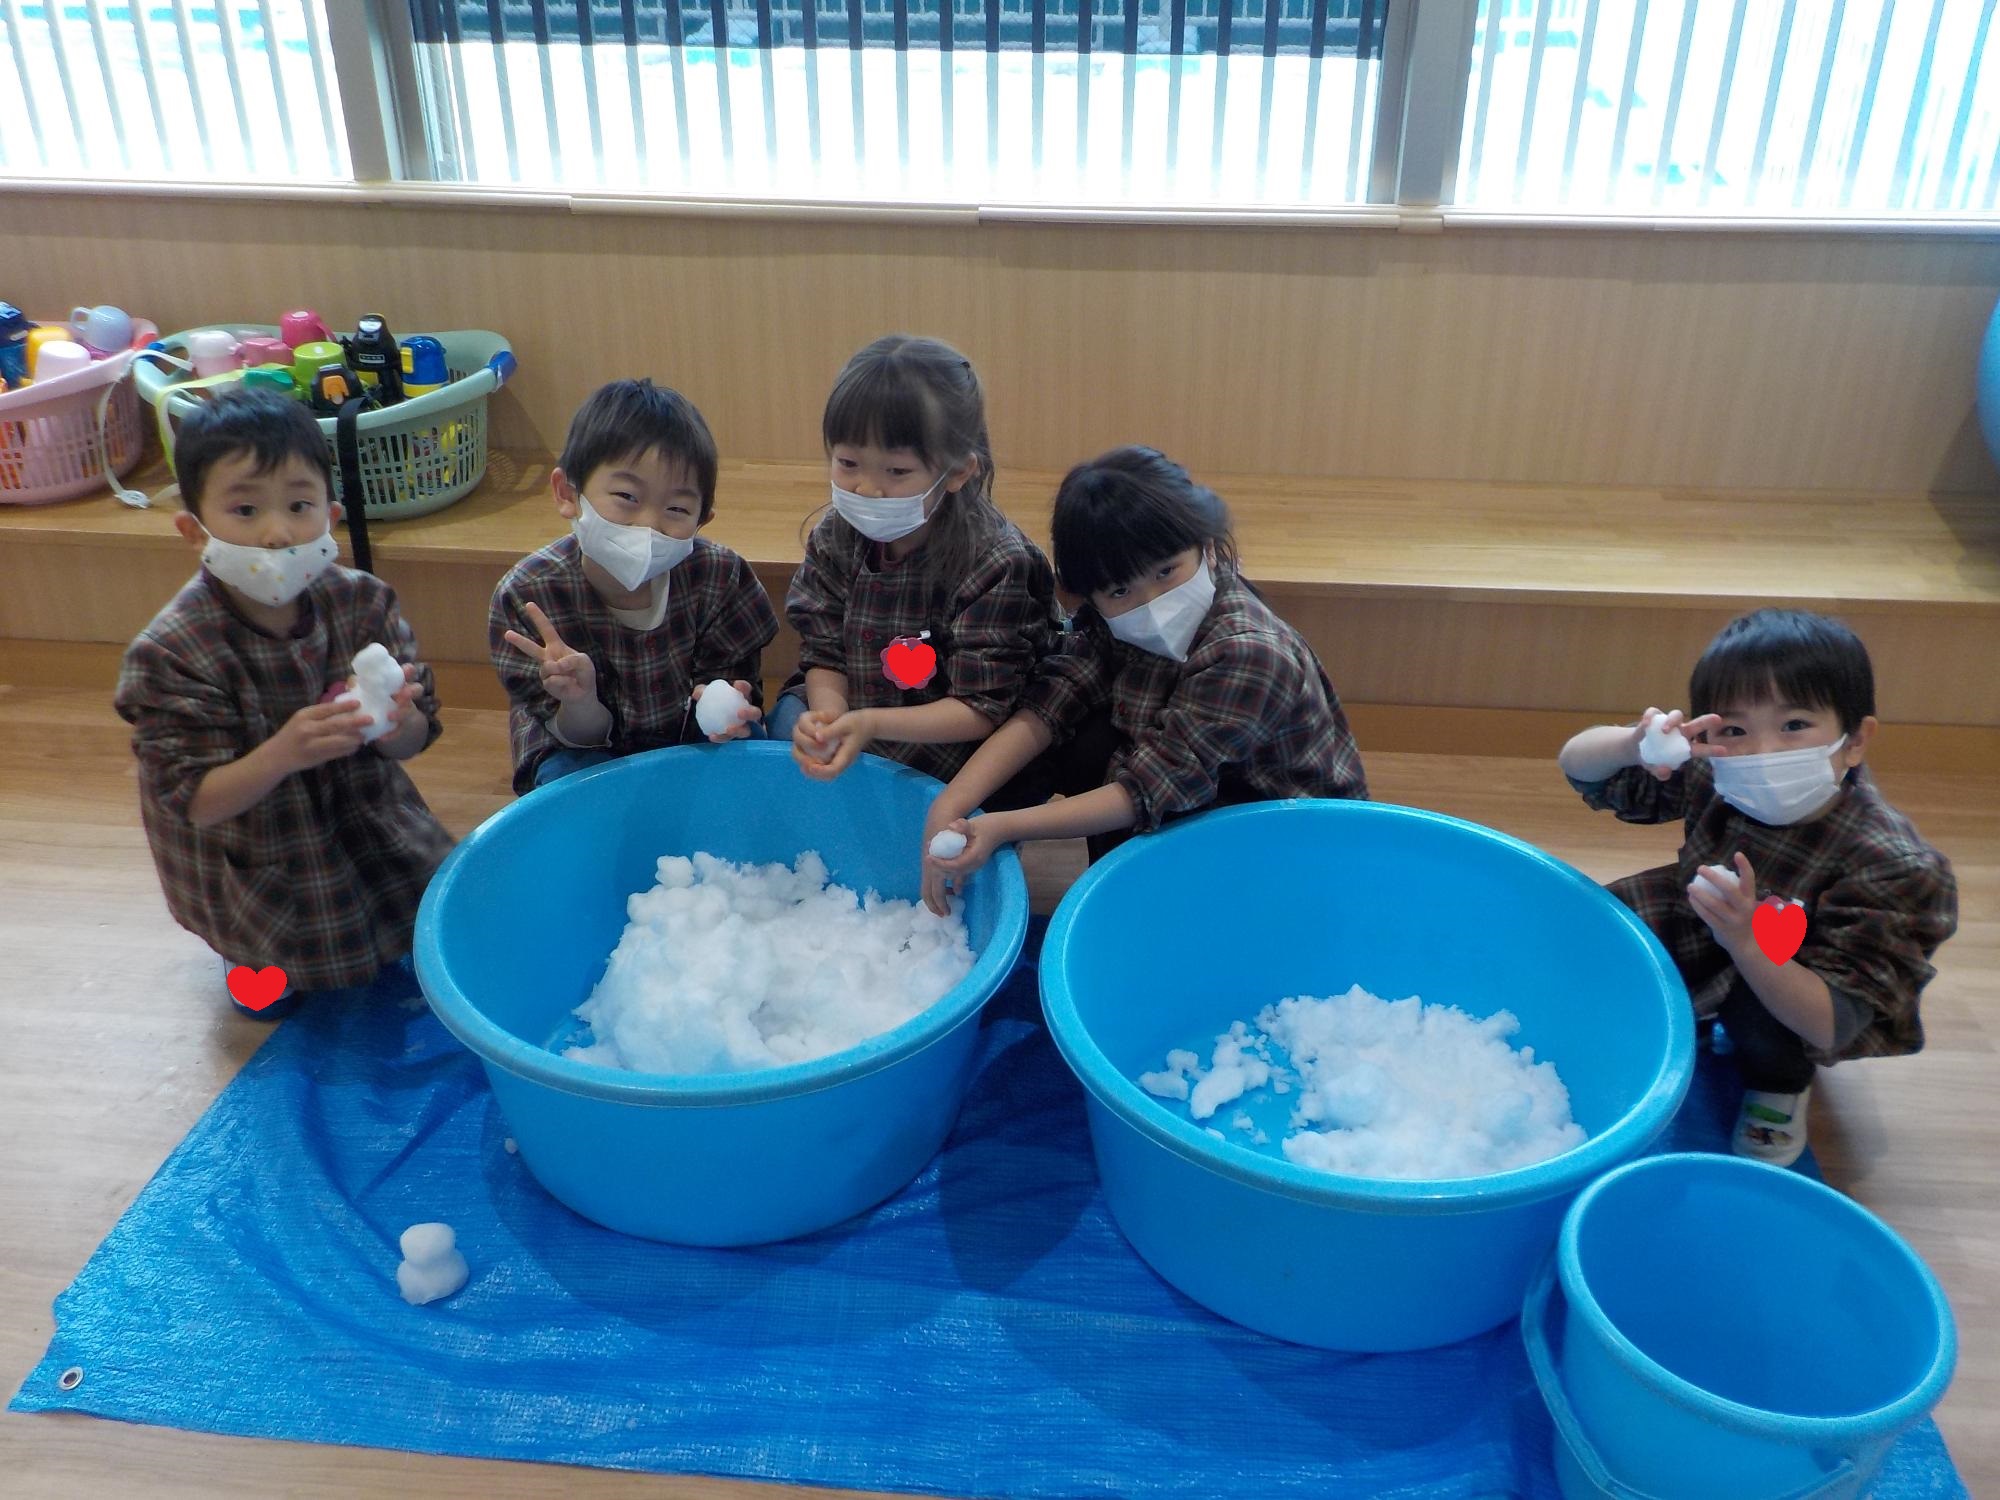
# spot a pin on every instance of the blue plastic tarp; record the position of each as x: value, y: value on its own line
x: 985, y: 1333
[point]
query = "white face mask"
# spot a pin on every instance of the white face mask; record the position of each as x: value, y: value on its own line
x: 1781, y: 787
x: 1166, y: 625
x: 885, y: 520
x: 631, y: 554
x: 270, y: 575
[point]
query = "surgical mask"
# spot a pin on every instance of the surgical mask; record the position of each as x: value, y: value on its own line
x: 270, y: 575
x: 883, y: 520
x: 1166, y: 625
x: 1781, y: 787
x: 631, y: 554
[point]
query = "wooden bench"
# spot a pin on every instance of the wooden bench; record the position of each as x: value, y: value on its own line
x: 1451, y: 615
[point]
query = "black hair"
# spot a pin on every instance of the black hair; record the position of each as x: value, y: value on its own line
x: 270, y: 426
x: 630, y: 418
x: 1128, y: 510
x: 903, y: 391
x: 1785, y: 656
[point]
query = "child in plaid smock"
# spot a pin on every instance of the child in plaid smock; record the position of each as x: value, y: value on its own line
x: 281, y: 837
x: 1776, y: 801
x: 605, y: 638
x: 914, y: 557
x: 1177, y: 688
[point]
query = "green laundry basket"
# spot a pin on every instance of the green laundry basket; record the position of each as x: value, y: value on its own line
x: 417, y: 456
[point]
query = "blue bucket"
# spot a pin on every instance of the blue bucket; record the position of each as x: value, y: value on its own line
x: 1732, y: 1328
x: 1311, y: 897
x: 520, y: 920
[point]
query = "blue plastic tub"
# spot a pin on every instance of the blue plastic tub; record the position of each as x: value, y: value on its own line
x: 1731, y: 1328
x: 520, y: 920
x: 1174, y: 935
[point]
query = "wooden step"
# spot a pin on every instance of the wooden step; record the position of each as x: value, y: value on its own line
x: 1424, y: 595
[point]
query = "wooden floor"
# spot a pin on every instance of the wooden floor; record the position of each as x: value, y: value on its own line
x: 119, y: 1038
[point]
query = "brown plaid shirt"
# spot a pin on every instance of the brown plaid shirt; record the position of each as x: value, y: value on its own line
x: 988, y: 630
x: 1878, y: 899
x: 717, y: 624
x: 323, y: 876
x: 1249, y: 716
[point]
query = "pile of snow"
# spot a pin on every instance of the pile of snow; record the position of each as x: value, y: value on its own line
x: 1386, y: 1088
x: 724, y: 968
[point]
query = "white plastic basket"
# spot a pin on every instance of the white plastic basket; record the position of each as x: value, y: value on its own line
x: 417, y: 456
x: 50, y: 448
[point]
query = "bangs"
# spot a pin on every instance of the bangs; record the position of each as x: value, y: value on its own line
x: 1785, y: 657
x: 1107, y: 531
x: 882, y: 403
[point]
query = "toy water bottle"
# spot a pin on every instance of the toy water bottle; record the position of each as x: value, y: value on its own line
x: 14, y: 331
x: 303, y: 326
x: 372, y: 352
x: 424, y: 368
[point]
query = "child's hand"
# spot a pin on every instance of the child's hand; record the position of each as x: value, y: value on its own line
x: 405, y: 695
x: 943, y: 815
x: 1692, y: 728
x: 1727, y: 908
x: 566, y: 672
x: 317, y: 734
x: 810, y: 747
x: 747, y: 715
x: 984, y: 837
x: 838, y: 742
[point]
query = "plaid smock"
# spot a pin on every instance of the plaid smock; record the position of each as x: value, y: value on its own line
x: 1878, y: 899
x: 988, y: 628
x: 717, y: 623
x: 1249, y: 716
x: 323, y: 876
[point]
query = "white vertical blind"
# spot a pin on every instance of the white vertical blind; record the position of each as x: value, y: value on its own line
x: 217, y: 89
x: 1819, y: 107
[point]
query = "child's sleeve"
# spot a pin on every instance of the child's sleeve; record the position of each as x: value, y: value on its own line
x: 531, y: 711
x: 1073, y: 681
x: 1871, y: 938
x: 183, y: 726
x: 739, y: 625
x: 1006, y: 625
x: 394, y: 632
x: 1228, y: 701
x: 816, y: 604
x: 1636, y: 795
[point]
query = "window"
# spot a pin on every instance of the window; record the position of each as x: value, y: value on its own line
x: 1760, y: 109
x: 169, y: 90
x: 1093, y: 101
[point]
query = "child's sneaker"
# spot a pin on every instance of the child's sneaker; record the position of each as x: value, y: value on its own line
x: 1772, y: 1127
x: 277, y: 1010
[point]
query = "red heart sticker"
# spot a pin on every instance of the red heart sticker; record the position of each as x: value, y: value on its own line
x: 1779, y: 927
x: 256, y: 988
x: 908, y: 662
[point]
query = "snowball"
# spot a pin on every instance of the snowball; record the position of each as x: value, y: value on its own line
x: 947, y: 844
x: 510, y: 1145
x: 716, y: 709
x: 432, y: 1266
x: 1387, y: 1088
x: 1719, y: 878
x: 378, y: 677
x: 1663, y: 748
x: 725, y: 968
x: 428, y: 1241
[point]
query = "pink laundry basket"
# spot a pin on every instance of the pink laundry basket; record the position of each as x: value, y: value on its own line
x: 49, y: 443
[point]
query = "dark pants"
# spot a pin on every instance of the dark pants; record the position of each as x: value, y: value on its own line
x: 1769, y: 1054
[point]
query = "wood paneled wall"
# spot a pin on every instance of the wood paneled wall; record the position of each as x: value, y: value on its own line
x: 1735, y: 361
